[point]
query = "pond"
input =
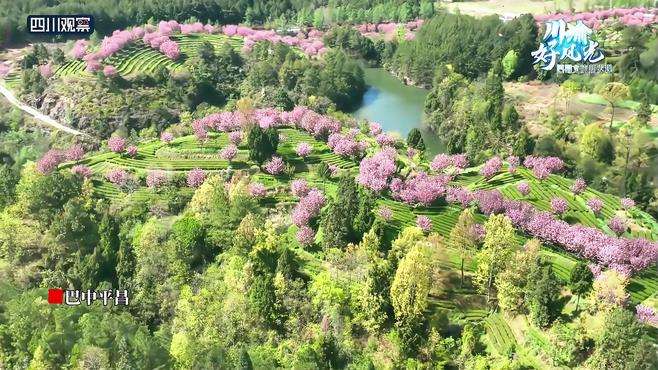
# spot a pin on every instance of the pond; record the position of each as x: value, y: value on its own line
x: 396, y: 106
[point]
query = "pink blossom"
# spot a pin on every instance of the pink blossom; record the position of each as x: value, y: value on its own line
x: 257, y: 190
x: 46, y: 70
x: 299, y: 188
x: 303, y: 149
x: 523, y: 188
x: 81, y: 170
x: 627, y: 203
x: 459, y: 195
x: 308, y: 207
x: 74, y: 153
x: 411, y: 152
x: 166, y: 137
x: 50, y: 161
x: 385, y: 213
x: 195, y: 177
x: 441, y: 162
x: 79, y: 49
x: 274, y: 166
x: 131, y: 150
x: 559, y: 205
x: 424, y: 223
x: 116, y: 144
x: 646, y: 315
x: 491, y: 167
x: 117, y: 176
x: 376, y: 171
x: 109, y: 71
x: 305, y: 235
x: 385, y: 139
x: 93, y: 66
x: 419, y: 188
x: 235, y: 137
x: 578, y: 186
x: 375, y: 128
x: 595, y: 204
x: 543, y: 166
x: 617, y: 225
x: 155, y: 179
x: 229, y: 152
x: 170, y: 49
x: 490, y: 201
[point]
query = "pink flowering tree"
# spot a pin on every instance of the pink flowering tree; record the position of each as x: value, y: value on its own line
x: 308, y: 208
x: 303, y: 149
x: 235, y: 137
x: 542, y: 167
x: 257, y: 190
x: 299, y: 188
x: 559, y: 206
x: 524, y: 188
x: 305, y: 235
x: 156, y: 179
x: 646, y: 315
x: 118, y: 177
x: 513, y: 163
x: 491, y: 167
x: 595, y: 205
x: 116, y: 144
x: 195, y: 177
x: 229, y: 152
x: 49, y: 162
x: 109, y: 71
x: 167, y: 137
x: 627, y: 203
x: 46, y: 70
x: 424, y: 223
x: 578, y: 186
x: 617, y: 225
x: 274, y: 166
x: 131, y: 151
x: 375, y: 172
x: 82, y: 170
x: 74, y: 153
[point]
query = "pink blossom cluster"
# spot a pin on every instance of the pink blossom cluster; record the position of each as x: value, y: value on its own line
x: 310, y: 43
x: 491, y: 167
x: 79, y: 49
x: 375, y: 172
x: 543, y: 166
x: 627, y: 203
x: 267, y: 117
x: 374, y: 128
x: 389, y: 28
x: 156, y: 179
x: 308, y: 207
x: 345, y: 145
x: 318, y: 125
x: 490, y: 201
x: 46, y: 70
x: 81, y: 170
x: 116, y: 144
x: 638, y: 16
x: 257, y: 190
x: 419, y: 188
x: 424, y: 223
x: 274, y: 166
x: 195, y: 177
x: 524, y: 188
x: 299, y: 188
x: 646, y: 315
x: 131, y: 150
x: 385, y: 213
x: 559, y: 205
x: 53, y: 157
x: 74, y: 153
x: 229, y: 152
x: 460, y: 195
x: 235, y: 137
x: 595, y: 204
x: 578, y: 186
x: 109, y: 71
x: 617, y: 225
x: 385, y: 139
x: 166, y: 137
x: 305, y: 235
x: 117, y: 176
x: 624, y: 255
x: 303, y: 149
x: 443, y: 161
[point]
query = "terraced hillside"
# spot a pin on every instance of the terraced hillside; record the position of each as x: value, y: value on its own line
x: 186, y: 153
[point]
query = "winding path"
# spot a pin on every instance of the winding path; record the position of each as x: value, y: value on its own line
x: 36, y: 114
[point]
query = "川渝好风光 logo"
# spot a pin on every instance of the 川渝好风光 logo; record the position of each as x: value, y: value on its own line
x: 570, y: 41
x: 61, y: 24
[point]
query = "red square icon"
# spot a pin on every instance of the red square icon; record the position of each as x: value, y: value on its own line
x: 55, y: 296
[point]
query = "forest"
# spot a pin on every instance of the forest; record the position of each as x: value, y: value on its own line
x: 214, y: 169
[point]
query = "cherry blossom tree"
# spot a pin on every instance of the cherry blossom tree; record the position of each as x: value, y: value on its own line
x: 627, y: 203
x: 49, y: 162
x: 385, y: 213
x: 617, y: 225
x: 524, y: 188
x: 167, y: 137
x: 74, y: 153
x: 305, y: 235
x: 131, y: 150
x: 595, y: 204
x: 299, y: 188
x: 229, y: 152
x: 274, y: 166
x: 82, y: 170
x: 424, y: 223
x: 559, y: 205
x: 116, y: 144
x: 109, y: 71
x: 118, y: 177
x: 156, y: 179
x: 235, y: 137
x: 303, y: 149
x: 491, y: 167
x: 578, y: 186
x: 257, y: 190
x: 195, y: 177
x: 375, y: 172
